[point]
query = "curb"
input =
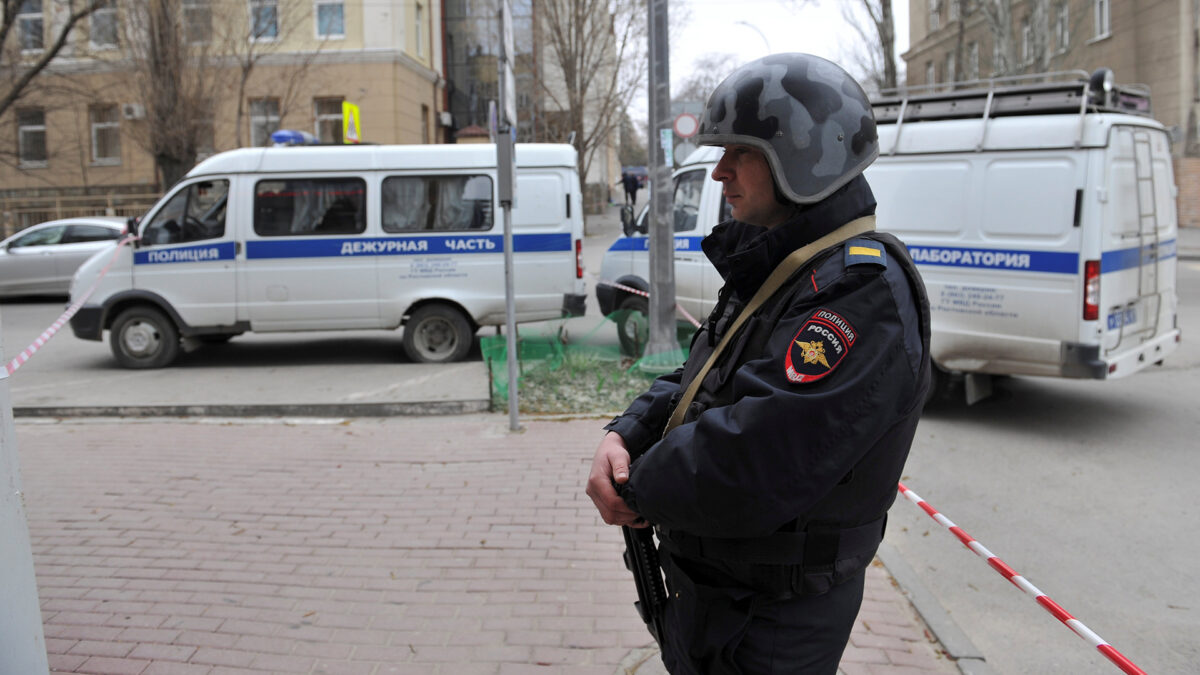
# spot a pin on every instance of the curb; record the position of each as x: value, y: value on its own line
x: 969, y: 659
x: 263, y: 410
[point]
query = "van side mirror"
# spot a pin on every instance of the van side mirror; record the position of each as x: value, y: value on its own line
x: 628, y: 225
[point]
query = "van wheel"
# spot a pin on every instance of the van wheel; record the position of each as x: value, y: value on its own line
x: 437, y: 334
x: 633, y: 325
x: 143, y: 337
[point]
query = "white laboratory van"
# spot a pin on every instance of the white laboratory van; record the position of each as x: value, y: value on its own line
x: 1040, y: 211
x: 340, y: 238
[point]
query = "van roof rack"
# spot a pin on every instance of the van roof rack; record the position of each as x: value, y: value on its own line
x: 1064, y: 92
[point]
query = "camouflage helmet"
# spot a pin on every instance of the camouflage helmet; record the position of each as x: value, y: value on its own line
x: 807, y: 115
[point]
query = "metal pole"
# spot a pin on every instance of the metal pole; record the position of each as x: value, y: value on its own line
x: 506, y: 169
x: 662, y: 338
x: 510, y: 320
x: 22, y: 642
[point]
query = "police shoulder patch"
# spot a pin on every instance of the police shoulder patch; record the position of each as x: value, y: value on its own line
x: 865, y: 251
x: 818, y: 347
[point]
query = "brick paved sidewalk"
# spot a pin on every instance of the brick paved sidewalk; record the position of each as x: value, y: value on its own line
x: 407, y: 545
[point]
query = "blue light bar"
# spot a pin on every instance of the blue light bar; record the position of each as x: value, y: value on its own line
x: 293, y: 137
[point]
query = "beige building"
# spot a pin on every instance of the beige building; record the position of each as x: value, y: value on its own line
x: 1151, y: 42
x: 79, y: 141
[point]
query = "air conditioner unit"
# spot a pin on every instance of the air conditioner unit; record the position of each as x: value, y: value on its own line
x: 133, y: 111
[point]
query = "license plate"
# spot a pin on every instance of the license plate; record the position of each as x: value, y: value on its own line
x: 1121, y: 318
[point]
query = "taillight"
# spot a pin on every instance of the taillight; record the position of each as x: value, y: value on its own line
x: 1091, y: 290
x: 578, y: 258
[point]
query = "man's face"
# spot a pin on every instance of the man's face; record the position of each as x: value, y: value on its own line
x: 748, y: 186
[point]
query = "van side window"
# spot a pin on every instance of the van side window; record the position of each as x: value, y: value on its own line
x: 195, y: 213
x: 688, y: 188
x: 440, y: 203
x: 310, y: 206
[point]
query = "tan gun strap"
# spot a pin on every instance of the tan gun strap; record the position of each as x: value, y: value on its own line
x: 782, y: 272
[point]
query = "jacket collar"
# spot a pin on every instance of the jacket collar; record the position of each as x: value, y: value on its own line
x: 746, y: 254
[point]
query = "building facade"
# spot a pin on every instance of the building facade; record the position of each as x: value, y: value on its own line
x: 1150, y: 42
x: 88, y: 132
x: 544, y: 100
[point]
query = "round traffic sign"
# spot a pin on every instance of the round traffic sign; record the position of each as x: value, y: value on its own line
x: 686, y: 125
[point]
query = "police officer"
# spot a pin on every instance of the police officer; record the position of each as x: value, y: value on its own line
x: 770, y: 498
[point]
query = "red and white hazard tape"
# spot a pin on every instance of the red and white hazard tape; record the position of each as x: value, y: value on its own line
x: 1022, y: 583
x: 28, y: 352
x: 629, y: 289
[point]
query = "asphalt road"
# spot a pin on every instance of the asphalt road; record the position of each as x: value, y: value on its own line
x: 342, y: 373
x: 1085, y: 488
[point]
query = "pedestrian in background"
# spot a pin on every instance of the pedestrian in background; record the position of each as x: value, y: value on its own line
x: 630, y: 183
x: 767, y: 463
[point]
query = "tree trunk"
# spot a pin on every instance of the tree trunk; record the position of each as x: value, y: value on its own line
x: 172, y: 169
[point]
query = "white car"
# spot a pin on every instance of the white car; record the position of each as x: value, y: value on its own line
x: 41, y: 260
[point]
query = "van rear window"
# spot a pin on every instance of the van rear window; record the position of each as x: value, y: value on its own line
x: 437, y: 203
x: 310, y: 206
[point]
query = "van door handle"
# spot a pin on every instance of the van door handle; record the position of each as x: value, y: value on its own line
x: 237, y: 248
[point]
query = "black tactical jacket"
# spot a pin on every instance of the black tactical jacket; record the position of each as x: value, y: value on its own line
x: 805, y: 422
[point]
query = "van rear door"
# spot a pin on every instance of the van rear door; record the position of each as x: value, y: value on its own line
x: 1136, y: 302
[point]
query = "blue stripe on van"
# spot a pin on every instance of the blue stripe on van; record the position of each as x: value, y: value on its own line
x: 185, y: 254
x: 1126, y: 258
x: 643, y: 244
x: 422, y: 245
x: 998, y: 259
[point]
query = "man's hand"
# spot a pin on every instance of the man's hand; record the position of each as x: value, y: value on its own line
x: 609, y: 465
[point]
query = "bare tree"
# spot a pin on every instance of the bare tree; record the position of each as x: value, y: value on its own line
x: 633, y: 145
x: 1029, y: 36
x: 23, y: 52
x: 707, y: 72
x: 174, y: 74
x: 594, y: 63
x: 878, y: 61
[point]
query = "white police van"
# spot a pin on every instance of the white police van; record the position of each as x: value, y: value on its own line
x: 341, y: 237
x: 1041, y: 214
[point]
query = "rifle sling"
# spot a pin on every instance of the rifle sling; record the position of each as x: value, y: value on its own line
x: 782, y: 272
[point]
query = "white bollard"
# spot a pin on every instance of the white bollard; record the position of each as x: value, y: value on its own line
x: 22, y: 642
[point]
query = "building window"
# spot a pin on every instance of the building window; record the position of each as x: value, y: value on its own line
x: 197, y: 21
x: 1026, y: 43
x: 331, y: 19
x: 971, y: 67
x: 1062, y: 30
x: 31, y: 25
x: 1103, y: 19
x: 264, y: 20
x: 419, y: 24
x: 951, y: 67
x: 930, y: 73
x: 102, y: 24
x: 424, y: 124
x: 329, y: 119
x: 106, y: 134
x: 999, y: 64
x: 31, y: 137
x: 264, y: 120
x: 935, y: 15
x: 955, y: 10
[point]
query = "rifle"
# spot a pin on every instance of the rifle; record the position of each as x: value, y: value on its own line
x: 641, y: 558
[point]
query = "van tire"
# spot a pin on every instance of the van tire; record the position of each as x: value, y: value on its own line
x: 633, y: 327
x: 143, y: 337
x: 437, y: 334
